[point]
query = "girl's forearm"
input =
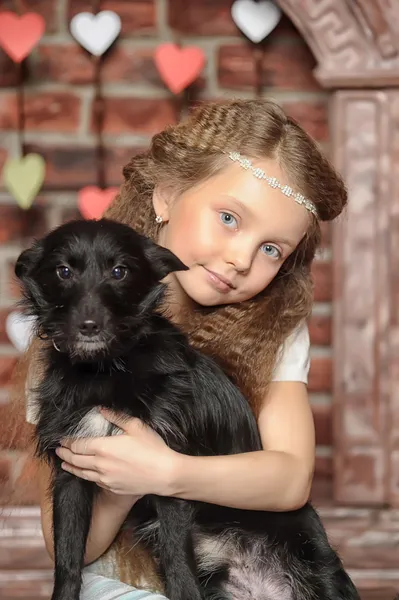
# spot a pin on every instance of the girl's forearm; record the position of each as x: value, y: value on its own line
x: 264, y: 480
x: 109, y: 513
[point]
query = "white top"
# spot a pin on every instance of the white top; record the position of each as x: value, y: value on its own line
x: 294, y: 361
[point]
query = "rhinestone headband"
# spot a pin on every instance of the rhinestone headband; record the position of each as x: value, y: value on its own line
x: 245, y: 163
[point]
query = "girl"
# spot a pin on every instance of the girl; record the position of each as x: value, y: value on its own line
x: 237, y: 192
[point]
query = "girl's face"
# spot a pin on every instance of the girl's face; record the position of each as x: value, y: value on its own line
x: 234, y: 232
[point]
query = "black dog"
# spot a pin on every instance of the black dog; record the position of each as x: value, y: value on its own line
x: 95, y: 289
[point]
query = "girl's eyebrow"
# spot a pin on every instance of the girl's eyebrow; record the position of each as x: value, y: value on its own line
x: 276, y: 240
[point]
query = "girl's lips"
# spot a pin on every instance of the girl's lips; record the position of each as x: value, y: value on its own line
x: 221, y: 284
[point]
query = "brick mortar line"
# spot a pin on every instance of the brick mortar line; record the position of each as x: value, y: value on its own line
x: 131, y: 89
x: 84, y: 141
x: 164, y: 33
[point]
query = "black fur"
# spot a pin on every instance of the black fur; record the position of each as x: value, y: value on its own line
x: 141, y: 365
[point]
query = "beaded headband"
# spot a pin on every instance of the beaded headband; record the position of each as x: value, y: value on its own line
x: 245, y: 163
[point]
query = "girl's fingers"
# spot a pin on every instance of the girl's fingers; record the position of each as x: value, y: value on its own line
x: 76, y: 460
x: 82, y: 473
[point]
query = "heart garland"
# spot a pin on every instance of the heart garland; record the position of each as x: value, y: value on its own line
x: 178, y: 67
x: 256, y: 19
x: 19, y: 330
x: 96, y: 33
x: 23, y: 176
x: 19, y: 34
x: 93, y: 201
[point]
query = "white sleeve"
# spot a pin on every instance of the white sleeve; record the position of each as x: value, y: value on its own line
x: 294, y: 361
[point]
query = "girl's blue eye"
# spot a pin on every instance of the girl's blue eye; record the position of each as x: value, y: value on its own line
x: 228, y: 219
x: 271, y: 251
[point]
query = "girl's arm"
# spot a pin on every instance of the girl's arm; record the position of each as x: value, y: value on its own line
x: 278, y: 478
x: 109, y: 512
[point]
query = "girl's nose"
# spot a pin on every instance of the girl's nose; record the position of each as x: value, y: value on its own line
x: 241, y: 257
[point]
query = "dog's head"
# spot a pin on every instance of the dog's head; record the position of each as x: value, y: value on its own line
x: 91, y: 283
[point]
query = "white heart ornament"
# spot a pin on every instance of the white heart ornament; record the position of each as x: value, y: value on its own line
x: 256, y: 19
x: 19, y: 329
x: 97, y: 32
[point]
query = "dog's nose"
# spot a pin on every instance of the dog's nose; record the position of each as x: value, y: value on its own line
x: 89, y: 327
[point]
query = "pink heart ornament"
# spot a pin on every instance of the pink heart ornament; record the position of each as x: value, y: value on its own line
x: 178, y: 67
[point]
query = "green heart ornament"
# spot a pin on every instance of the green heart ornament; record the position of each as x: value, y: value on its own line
x: 23, y: 177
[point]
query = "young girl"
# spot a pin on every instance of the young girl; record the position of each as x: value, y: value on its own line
x: 237, y: 191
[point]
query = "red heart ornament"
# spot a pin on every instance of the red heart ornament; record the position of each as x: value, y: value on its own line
x: 178, y: 67
x: 19, y: 34
x: 92, y: 201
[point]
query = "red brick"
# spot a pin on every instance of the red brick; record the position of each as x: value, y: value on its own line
x: 311, y: 115
x: 320, y: 375
x: 322, y: 414
x: 7, y: 364
x: 12, y: 289
x: 63, y: 63
x: 70, y: 214
x: 72, y: 167
x: 19, y: 226
x: 138, y: 17
x: 3, y: 158
x: 129, y: 64
x: 320, y: 330
x: 45, y: 111
x: 52, y: 111
x: 8, y: 111
x: 286, y: 67
x: 46, y: 8
x: 138, y: 115
x: 5, y: 468
x: 9, y: 73
x: 322, y: 486
x: 322, y: 273
x: 213, y: 17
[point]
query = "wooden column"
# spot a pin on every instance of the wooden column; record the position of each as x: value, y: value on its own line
x: 356, y: 45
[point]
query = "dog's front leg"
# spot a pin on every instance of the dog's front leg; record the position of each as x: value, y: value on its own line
x: 72, y: 510
x: 176, y: 549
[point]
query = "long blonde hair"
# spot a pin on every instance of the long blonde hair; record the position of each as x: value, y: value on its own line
x: 244, y: 338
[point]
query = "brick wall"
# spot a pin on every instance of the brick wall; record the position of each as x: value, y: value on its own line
x: 59, y: 125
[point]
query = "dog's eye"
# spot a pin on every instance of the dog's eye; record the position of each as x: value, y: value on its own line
x: 119, y: 272
x: 64, y: 272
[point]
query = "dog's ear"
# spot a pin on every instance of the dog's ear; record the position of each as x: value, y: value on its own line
x: 162, y: 260
x: 28, y: 259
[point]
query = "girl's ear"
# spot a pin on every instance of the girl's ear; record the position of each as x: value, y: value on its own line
x: 161, y: 200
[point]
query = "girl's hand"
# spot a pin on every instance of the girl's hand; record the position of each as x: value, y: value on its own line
x: 136, y: 463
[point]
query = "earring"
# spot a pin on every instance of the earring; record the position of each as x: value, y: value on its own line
x: 158, y: 219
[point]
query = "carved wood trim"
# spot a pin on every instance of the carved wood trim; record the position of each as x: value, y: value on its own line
x: 355, y: 42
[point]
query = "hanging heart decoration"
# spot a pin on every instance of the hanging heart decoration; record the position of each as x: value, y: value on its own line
x: 93, y: 201
x: 96, y: 33
x: 19, y: 330
x: 256, y: 19
x: 23, y: 177
x: 19, y: 34
x: 178, y: 67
